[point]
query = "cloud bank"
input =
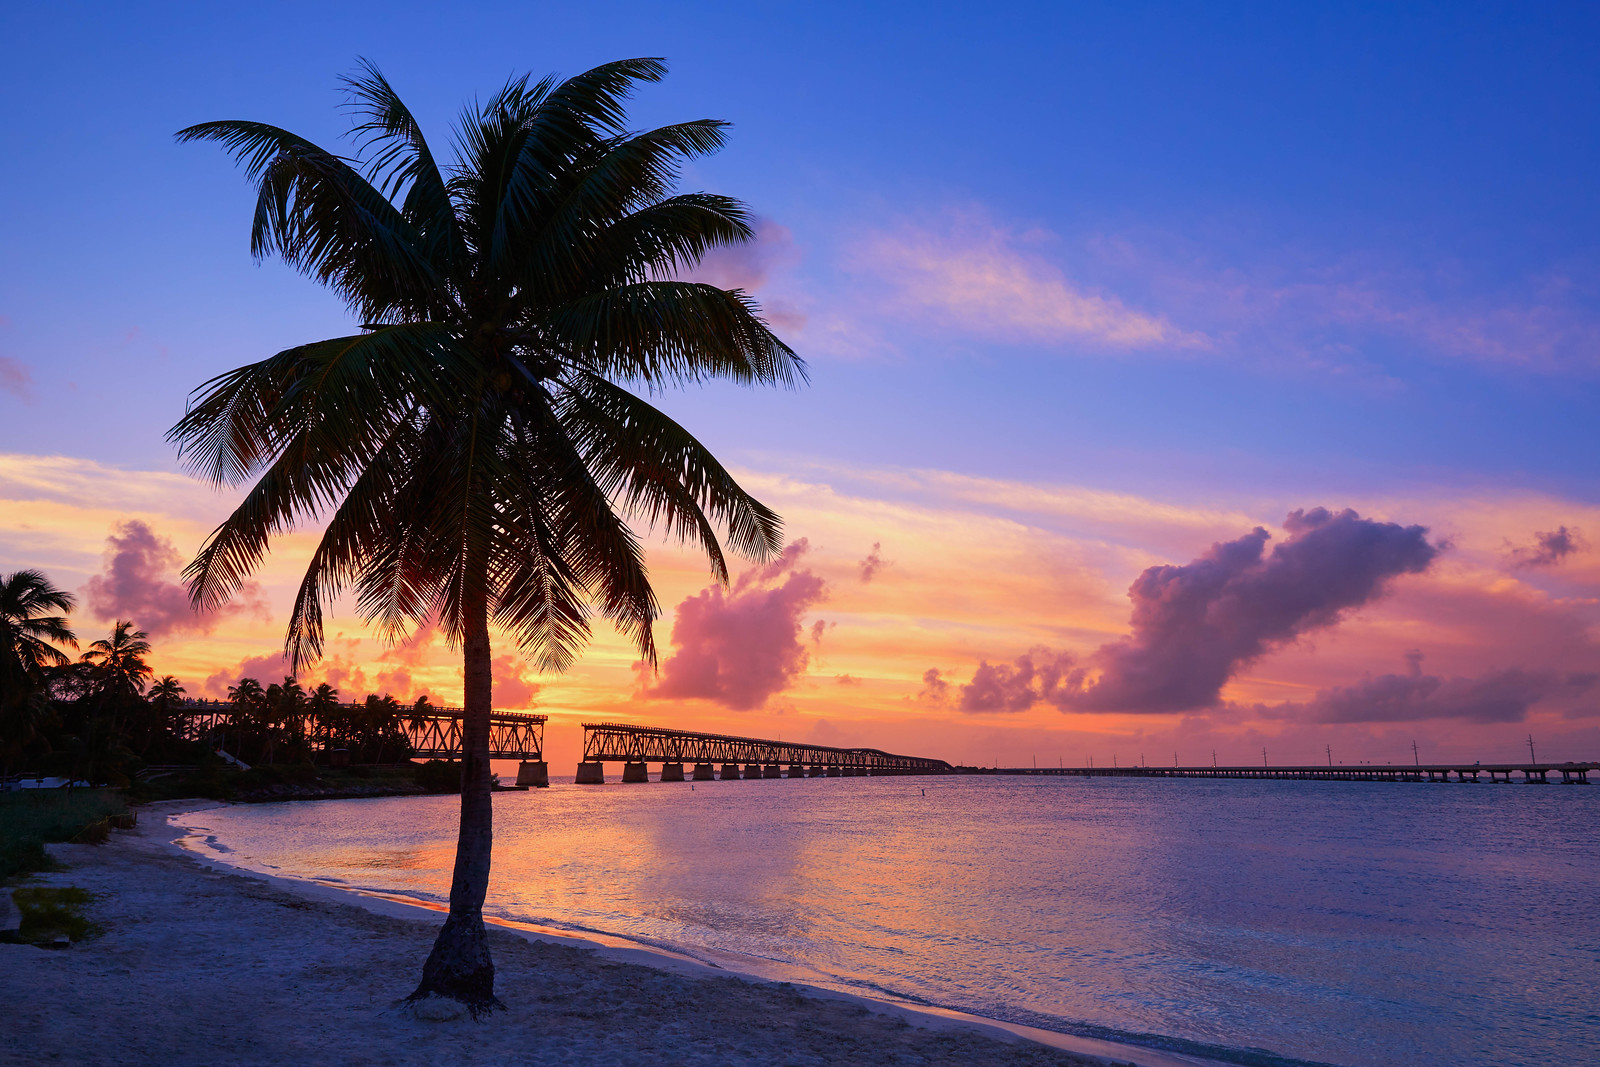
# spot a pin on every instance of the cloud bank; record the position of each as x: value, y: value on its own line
x: 742, y: 647
x: 1196, y: 625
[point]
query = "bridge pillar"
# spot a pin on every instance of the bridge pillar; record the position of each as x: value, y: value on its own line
x: 834, y: 770
x: 703, y: 772
x: 729, y: 771
x: 534, y: 774
x: 752, y: 770
x: 591, y: 774
x: 672, y: 772
x: 635, y: 772
x: 771, y: 770
x: 796, y: 771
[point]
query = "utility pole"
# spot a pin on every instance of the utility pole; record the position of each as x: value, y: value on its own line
x: 1415, y: 759
x: 1330, y: 754
x: 1113, y: 761
x: 1213, y: 758
x: 1174, y: 759
x: 1531, y: 757
x: 1263, y: 755
x: 1091, y: 763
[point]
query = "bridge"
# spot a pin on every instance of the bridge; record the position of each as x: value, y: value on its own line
x: 1500, y: 773
x: 721, y: 756
x: 430, y: 733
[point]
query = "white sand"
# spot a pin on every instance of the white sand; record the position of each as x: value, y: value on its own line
x: 203, y: 965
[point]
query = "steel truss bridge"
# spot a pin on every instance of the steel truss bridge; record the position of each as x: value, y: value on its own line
x: 1531, y: 773
x: 432, y: 734
x: 719, y: 755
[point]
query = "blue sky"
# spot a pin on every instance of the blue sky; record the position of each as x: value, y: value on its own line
x: 1084, y: 290
x: 1438, y: 158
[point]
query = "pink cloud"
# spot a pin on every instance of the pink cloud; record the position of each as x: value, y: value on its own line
x: 1550, y: 548
x: 267, y: 669
x: 16, y: 378
x: 1195, y: 625
x: 873, y: 563
x: 135, y: 585
x: 1501, y: 696
x: 513, y: 682
x: 742, y: 647
x: 974, y: 276
x: 750, y: 266
x: 1038, y: 674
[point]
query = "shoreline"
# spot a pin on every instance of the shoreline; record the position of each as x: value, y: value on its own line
x: 188, y: 842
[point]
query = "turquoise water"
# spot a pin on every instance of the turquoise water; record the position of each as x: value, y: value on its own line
x: 1348, y: 923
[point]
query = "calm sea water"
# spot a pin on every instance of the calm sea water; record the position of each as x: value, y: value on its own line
x: 1347, y: 923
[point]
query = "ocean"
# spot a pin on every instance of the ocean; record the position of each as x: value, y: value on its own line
x: 1361, y: 924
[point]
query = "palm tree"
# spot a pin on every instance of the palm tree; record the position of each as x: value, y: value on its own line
x: 32, y: 615
x: 476, y: 451
x: 248, y: 700
x: 164, y: 696
x: 117, y: 666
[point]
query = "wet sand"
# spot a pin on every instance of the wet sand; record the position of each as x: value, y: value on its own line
x: 202, y: 965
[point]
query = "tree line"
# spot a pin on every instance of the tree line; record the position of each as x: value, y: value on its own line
x: 103, y: 715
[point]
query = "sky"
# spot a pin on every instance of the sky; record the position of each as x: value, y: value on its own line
x: 1186, y: 379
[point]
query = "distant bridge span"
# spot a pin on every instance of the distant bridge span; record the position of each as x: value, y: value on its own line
x: 1532, y: 773
x: 724, y: 756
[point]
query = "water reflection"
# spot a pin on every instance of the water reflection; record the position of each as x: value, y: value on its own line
x: 1344, y: 922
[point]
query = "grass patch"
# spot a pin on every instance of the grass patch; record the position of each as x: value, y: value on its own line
x: 31, y: 817
x: 52, y: 913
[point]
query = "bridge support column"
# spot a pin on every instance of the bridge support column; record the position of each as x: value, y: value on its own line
x: 834, y: 770
x: 635, y: 772
x: 729, y: 771
x: 534, y: 774
x: 672, y: 772
x: 771, y: 770
x: 703, y: 772
x: 796, y: 771
x: 752, y: 770
x: 591, y: 774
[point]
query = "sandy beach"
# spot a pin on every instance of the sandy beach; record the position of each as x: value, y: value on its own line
x: 201, y: 965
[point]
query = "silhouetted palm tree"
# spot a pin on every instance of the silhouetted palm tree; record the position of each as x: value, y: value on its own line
x: 165, y: 695
x: 475, y: 448
x: 32, y: 615
x: 117, y: 667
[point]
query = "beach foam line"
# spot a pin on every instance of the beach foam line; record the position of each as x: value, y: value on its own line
x: 199, y: 844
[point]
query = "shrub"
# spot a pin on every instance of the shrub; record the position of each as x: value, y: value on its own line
x: 439, y: 776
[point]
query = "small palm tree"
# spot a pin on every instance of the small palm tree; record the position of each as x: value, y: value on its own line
x: 478, y: 450
x: 165, y: 695
x: 32, y: 615
x: 117, y: 665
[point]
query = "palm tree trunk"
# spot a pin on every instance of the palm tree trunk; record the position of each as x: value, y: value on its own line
x: 459, y: 966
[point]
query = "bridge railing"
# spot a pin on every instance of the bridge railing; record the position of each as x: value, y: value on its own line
x: 433, y: 733
x: 621, y: 742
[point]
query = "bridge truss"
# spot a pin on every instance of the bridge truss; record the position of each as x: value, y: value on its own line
x: 617, y: 742
x: 433, y: 734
